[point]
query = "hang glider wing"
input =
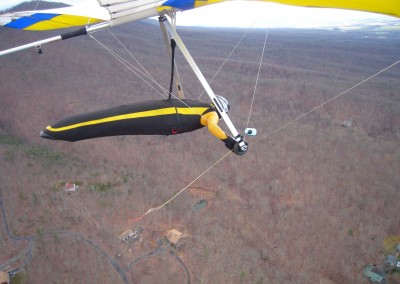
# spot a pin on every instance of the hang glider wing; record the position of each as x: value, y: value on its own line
x: 123, y: 8
x: 111, y: 11
x: 55, y: 18
x: 122, y: 11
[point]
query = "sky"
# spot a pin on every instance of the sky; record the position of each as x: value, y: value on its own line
x: 257, y: 14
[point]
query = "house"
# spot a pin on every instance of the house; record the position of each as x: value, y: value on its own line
x: 373, y: 274
x: 174, y: 236
x: 124, y: 236
x: 70, y: 187
x: 131, y: 234
x: 390, y: 260
x: 347, y: 123
x: 4, y: 278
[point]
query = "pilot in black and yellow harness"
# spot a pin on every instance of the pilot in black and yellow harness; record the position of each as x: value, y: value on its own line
x: 165, y: 117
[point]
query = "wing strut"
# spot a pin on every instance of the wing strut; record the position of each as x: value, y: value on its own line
x: 173, y: 34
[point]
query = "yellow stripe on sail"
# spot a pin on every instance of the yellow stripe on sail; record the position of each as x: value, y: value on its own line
x: 388, y: 7
x: 201, y: 3
x: 62, y: 21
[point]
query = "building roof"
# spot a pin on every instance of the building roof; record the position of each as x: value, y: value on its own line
x: 174, y: 236
x: 372, y: 274
x: 391, y: 260
x: 126, y: 234
x: 70, y: 186
x: 4, y: 278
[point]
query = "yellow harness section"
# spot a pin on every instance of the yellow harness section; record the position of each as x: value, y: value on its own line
x: 211, y: 121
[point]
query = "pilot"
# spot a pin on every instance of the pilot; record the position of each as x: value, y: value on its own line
x: 165, y: 117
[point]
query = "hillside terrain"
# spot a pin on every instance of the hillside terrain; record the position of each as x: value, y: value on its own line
x: 311, y: 202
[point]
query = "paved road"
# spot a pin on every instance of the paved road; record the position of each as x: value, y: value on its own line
x: 157, y: 251
x: 7, y: 229
x: 26, y: 254
x: 183, y: 265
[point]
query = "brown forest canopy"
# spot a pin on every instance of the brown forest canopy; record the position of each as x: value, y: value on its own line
x: 313, y: 202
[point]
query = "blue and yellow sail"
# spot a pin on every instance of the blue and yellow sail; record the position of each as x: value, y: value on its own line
x: 50, y: 21
x: 122, y: 11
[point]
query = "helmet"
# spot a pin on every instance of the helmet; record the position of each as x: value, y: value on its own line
x: 223, y: 103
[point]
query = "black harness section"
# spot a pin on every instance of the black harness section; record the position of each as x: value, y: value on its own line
x: 164, y: 117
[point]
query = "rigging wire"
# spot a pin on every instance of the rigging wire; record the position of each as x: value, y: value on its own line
x: 229, y: 55
x: 258, y: 75
x: 262, y: 138
x: 130, y: 67
x: 183, y: 189
x: 137, y: 61
x: 37, y: 3
x: 328, y: 101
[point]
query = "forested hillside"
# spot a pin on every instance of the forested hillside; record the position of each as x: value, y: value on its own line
x: 311, y: 202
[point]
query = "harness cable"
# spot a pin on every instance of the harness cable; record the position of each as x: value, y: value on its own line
x: 136, y: 70
x: 137, y: 61
x: 171, y: 83
x: 132, y: 68
x: 267, y: 135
